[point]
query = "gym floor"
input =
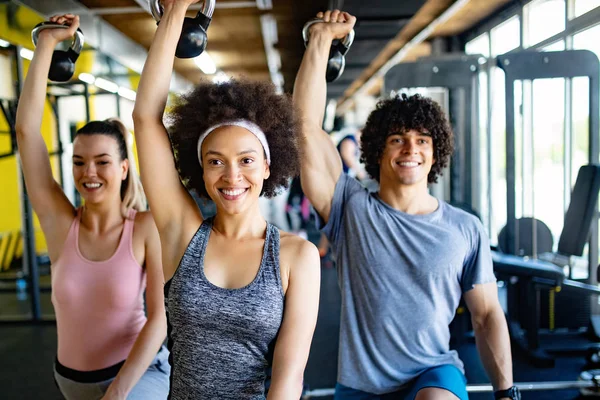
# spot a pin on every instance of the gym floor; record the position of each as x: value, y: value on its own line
x: 27, y: 352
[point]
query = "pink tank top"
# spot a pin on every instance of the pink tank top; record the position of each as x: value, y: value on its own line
x: 99, y: 305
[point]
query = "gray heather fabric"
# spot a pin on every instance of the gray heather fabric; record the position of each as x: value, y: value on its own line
x: 220, y: 339
x: 401, y: 277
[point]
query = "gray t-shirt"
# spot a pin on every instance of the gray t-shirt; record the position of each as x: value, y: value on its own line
x: 401, y: 277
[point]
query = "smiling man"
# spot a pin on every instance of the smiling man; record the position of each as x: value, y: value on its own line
x: 405, y: 259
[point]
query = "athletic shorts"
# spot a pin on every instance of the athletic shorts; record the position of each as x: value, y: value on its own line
x: 446, y: 377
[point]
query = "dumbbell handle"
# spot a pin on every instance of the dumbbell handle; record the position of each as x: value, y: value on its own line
x: 346, y: 41
x: 77, y: 45
x: 208, y: 8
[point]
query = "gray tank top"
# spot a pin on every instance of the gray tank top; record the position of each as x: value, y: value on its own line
x: 221, y: 340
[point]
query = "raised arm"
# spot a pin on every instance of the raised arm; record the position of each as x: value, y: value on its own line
x: 47, y: 197
x: 171, y: 205
x: 321, y: 163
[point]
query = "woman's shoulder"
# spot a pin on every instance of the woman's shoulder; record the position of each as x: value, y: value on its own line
x: 298, y: 258
x: 292, y: 240
x: 144, y: 221
x: 297, y: 250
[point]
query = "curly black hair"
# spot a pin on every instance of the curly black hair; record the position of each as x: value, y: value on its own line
x: 209, y: 104
x: 401, y: 114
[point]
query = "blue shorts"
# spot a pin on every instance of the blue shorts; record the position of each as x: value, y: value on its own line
x: 446, y: 377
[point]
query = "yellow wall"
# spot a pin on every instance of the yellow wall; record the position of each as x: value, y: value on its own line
x: 17, y: 31
x: 10, y: 212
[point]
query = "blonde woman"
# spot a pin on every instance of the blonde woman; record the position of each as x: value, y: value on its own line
x: 104, y: 255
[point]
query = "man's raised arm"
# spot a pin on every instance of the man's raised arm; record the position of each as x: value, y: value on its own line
x: 321, y: 163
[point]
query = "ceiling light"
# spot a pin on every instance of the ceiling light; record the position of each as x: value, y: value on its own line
x: 59, y: 91
x: 273, y: 59
x: 221, y: 77
x: 278, y: 79
x: 87, y: 78
x: 268, y: 25
x: 205, y: 63
x: 107, y: 85
x: 4, y: 43
x: 26, y: 53
x: 264, y: 4
x: 127, y: 93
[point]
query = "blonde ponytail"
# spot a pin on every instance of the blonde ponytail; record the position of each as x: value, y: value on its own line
x: 132, y: 192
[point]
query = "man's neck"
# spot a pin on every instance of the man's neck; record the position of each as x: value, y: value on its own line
x: 410, y: 199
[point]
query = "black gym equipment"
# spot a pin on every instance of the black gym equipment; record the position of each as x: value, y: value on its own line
x: 63, y: 62
x: 574, y: 305
x: 8, y: 107
x: 193, y: 39
x: 337, y: 53
x: 533, y: 238
x: 533, y: 277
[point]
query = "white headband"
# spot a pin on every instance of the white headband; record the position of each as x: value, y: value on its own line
x: 242, y: 123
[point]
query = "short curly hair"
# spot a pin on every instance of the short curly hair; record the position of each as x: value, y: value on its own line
x: 209, y: 104
x: 401, y: 114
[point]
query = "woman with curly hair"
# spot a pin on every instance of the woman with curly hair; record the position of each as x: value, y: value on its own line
x: 240, y: 294
x: 404, y: 258
x: 105, y: 255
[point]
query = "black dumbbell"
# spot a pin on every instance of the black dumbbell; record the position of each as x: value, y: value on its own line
x: 193, y: 39
x: 337, y: 53
x: 63, y: 61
